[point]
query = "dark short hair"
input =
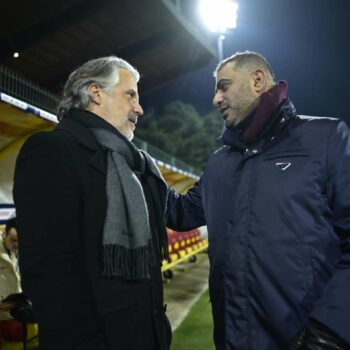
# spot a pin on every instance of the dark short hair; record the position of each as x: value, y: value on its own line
x: 11, y: 223
x: 246, y: 59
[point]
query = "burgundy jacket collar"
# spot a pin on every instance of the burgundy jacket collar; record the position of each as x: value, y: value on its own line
x: 272, y: 105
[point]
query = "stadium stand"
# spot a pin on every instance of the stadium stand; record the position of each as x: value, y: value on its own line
x: 44, y: 38
x: 183, y: 246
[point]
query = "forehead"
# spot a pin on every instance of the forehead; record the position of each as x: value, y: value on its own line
x: 12, y: 233
x: 126, y: 80
x: 227, y: 71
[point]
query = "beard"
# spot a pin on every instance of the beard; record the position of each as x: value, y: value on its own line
x: 244, y: 103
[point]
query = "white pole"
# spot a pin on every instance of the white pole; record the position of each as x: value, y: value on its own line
x: 221, y: 38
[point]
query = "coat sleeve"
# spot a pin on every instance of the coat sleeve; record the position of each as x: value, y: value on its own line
x: 333, y: 308
x: 47, y: 198
x: 185, y: 212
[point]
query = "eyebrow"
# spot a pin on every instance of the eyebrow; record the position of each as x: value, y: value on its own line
x: 132, y: 91
x: 220, y: 84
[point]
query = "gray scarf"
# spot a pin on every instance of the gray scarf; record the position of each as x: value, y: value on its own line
x: 127, y: 240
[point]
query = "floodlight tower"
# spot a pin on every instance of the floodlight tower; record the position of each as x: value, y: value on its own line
x: 219, y: 16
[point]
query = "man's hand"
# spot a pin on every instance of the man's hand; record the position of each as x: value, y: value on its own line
x: 316, y: 336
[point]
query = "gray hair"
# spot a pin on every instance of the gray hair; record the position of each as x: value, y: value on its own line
x: 104, y: 72
x: 247, y: 59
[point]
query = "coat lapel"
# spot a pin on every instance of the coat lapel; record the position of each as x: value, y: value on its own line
x: 84, y: 138
x: 98, y: 161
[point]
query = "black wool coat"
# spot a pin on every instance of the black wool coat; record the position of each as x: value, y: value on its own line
x: 60, y: 197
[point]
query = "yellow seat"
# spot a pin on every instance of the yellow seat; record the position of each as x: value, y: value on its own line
x: 189, y: 250
x: 31, y: 342
x: 174, y: 257
x: 182, y: 253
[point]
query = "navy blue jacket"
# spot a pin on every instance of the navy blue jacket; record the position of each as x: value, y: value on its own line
x: 278, y: 217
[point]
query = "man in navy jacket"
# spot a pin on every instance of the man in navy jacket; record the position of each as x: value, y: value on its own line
x: 276, y: 200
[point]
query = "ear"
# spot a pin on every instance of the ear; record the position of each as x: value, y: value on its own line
x: 95, y: 94
x: 259, y: 82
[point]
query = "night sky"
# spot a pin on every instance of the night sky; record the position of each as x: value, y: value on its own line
x: 307, y: 43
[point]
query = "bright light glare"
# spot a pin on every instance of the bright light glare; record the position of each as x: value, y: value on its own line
x: 16, y: 55
x: 219, y: 15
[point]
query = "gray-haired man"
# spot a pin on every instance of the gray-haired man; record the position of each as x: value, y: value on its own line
x: 90, y: 210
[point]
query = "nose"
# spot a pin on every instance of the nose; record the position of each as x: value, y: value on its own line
x: 138, y: 109
x: 218, y: 99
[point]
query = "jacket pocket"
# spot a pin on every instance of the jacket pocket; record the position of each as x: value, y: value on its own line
x: 308, y: 267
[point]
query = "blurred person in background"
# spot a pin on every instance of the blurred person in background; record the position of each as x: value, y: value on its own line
x: 10, y: 283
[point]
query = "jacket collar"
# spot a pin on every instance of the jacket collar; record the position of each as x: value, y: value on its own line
x: 233, y: 137
x: 78, y: 123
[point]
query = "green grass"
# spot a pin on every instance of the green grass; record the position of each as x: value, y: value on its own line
x: 196, y: 331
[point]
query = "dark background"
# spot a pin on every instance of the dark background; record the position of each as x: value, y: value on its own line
x: 305, y: 41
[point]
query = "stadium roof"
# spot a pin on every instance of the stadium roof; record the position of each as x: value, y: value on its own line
x: 54, y: 37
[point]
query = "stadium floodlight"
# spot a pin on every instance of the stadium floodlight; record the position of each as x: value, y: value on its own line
x: 219, y: 16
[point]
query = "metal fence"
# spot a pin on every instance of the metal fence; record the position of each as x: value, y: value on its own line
x: 23, y: 89
x: 15, y: 85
